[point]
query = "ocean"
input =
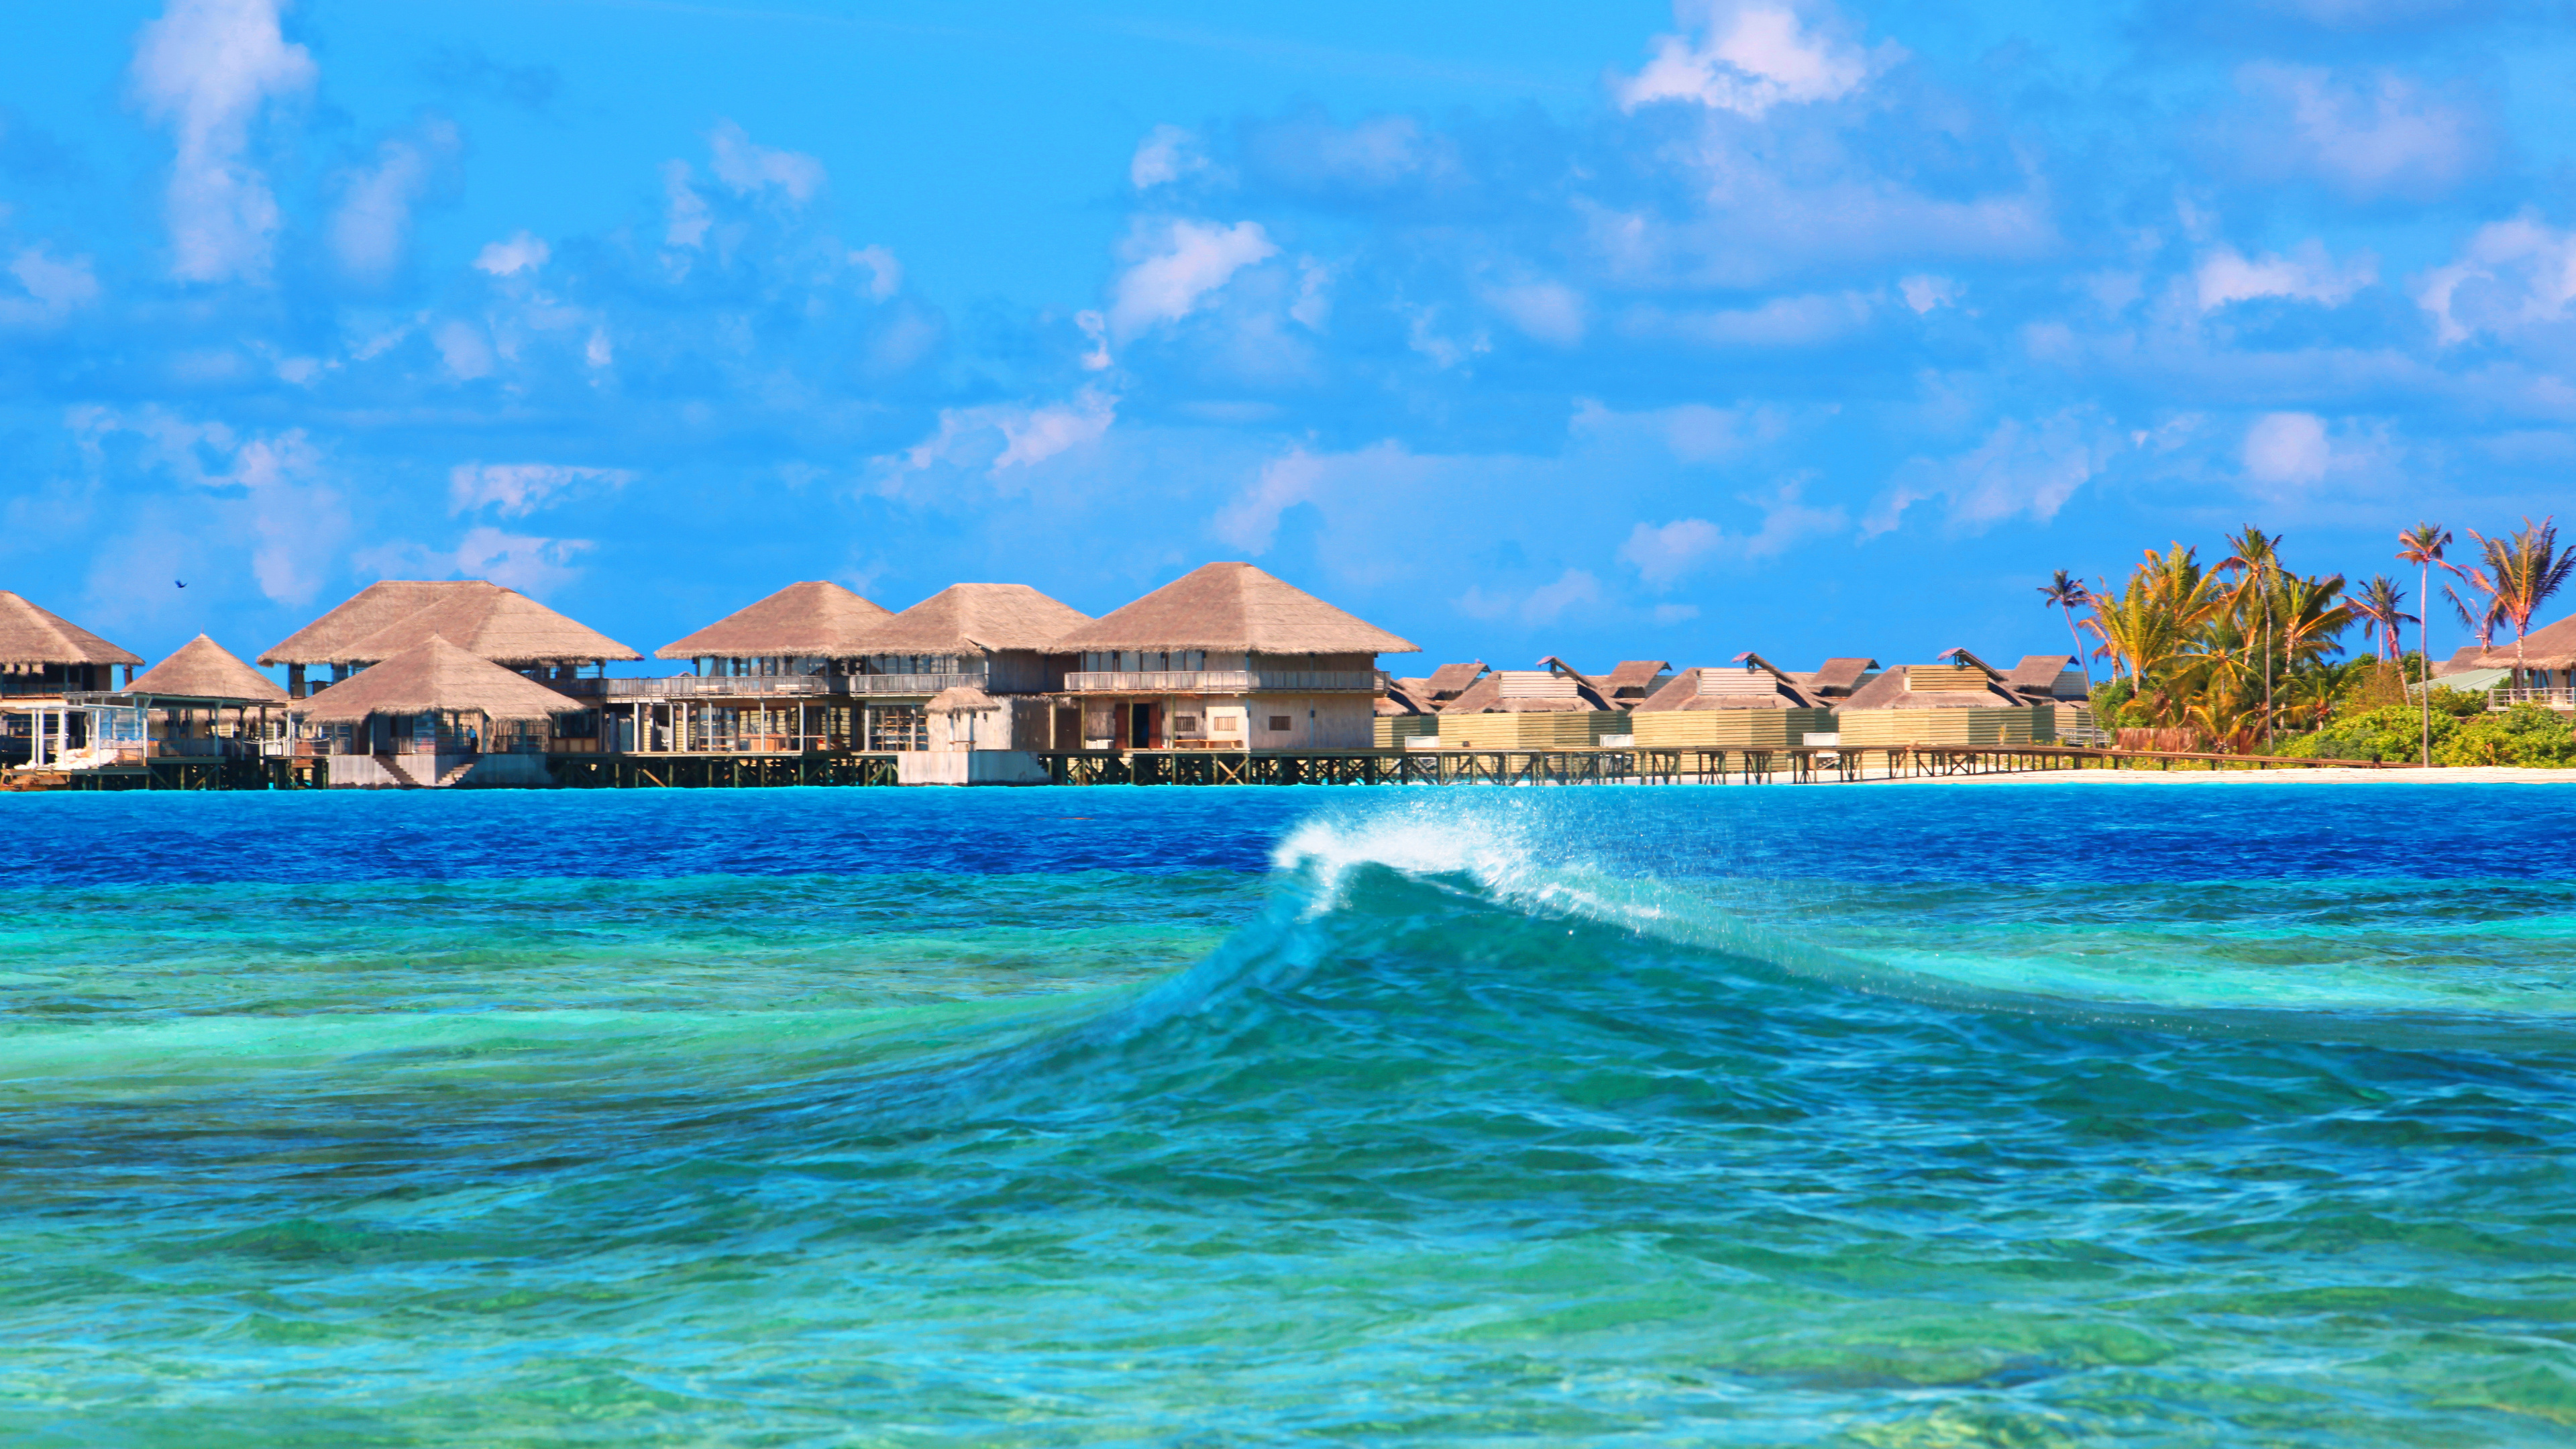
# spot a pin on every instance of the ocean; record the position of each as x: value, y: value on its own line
x: 1875, y: 1115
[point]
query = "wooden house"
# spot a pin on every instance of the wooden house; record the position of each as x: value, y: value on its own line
x: 46, y: 663
x: 1752, y: 706
x: 2545, y: 662
x: 996, y: 645
x: 1962, y: 702
x: 2057, y: 682
x: 200, y: 703
x: 1408, y: 713
x: 433, y: 715
x: 779, y: 675
x: 1226, y: 657
x: 1553, y: 707
x: 484, y: 619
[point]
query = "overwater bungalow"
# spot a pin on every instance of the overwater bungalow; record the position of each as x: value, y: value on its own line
x: 1965, y: 701
x: 202, y: 702
x: 1225, y: 657
x: 1553, y: 707
x: 1836, y: 679
x: 484, y: 619
x: 434, y: 715
x: 778, y: 675
x: 46, y: 660
x: 2056, y: 681
x: 1755, y: 705
x: 992, y: 651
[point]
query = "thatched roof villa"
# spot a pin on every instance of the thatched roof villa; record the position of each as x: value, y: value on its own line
x: 1835, y: 679
x: 481, y: 618
x: 1964, y: 702
x: 43, y: 658
x: 432, y: 714
x: 202, y: 701
x: 1753, y: 706
x: 2547, y: 659
x: 1555, y: 706
x: 991, y: 650
x: 804, y: 628
x: 1226, y: 657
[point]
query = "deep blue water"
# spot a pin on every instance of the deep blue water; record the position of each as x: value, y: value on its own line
x: 1877, y: 1115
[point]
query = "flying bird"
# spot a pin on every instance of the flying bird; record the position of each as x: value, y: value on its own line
x: 183, y: 583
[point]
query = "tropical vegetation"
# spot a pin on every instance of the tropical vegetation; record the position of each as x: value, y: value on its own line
x: 2247, y: 655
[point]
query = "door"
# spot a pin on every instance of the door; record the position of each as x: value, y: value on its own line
x: 1140, y: 727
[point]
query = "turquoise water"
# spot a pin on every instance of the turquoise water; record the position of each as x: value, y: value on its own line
x: 2028, y: 1115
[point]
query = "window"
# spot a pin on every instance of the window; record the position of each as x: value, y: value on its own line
x: 1185, y: 722
x: 1282, y: 723
x: 1225, y: 724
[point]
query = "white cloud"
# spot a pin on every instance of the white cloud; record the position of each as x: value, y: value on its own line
x: 54, y: 289
x: 885, y: 274
x: 512, y: 490
x: 520, y: 253
x: 1801, y: 321
x: 1923, y: 293
x: 1747, y: 59
x: 2513, y: 274
x: 1549, y: 311
x: 2372, y: 135
x: 1001, y: 436
x: 531, y: 565
x: 464, y: 348
x: 1575, y: 588
x: 1250, y: 520
x: 372, y: 224
x: 1167, y: 154
x: 2020, y: 470
x: 2287, y: 448
x: 1663, y: 555
x: 207, y: 68
x: 270, y: 493
x: 746, y: 168
x: 2307, y: 273
x: 687, y: 216
x: 1175, y: 265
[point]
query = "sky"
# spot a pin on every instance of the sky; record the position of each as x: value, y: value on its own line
x: 1608, y: 331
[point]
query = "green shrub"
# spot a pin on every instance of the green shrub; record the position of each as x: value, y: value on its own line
x: 2525, y: 735
x: 2391, y: 733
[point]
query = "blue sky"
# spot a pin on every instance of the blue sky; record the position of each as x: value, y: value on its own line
x: 1610, y: 331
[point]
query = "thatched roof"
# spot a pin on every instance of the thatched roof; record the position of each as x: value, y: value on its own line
x: 1451, y: 680
x: 436, y: 675
x: 1840, y: 676
x: 1634, y: 679
x: 2551, y: 647
x: 974, y: 619
x: 30, y: 635
x: 2037, y: 673
x: 815, y: 619
x: 482, y: 618
x: 2462, y: 660
x: 1557, y: 689
x: 1231, y: 606
x: 1756, y: 685
x: 1894, y: 689
x: 960, y: 699
x: 203, y: 669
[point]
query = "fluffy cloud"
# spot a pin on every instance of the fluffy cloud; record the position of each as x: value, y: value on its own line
x: 1167, y: 154
x: 1174, y: 265
x: 512, y: 490
x: 749, y: 169
x: 2368, y: 135
x: 1664, y: 555
x: 2511, y: 275
x: 372, y: 225
x: 54, y: 289
x: 1747, y: 58
x: 207, y: 68
x: 2305, y: 274
x: 2022, y: 470
x: 998, y: 437
x: 520, y: 253
x: 2287, y: 448
x: 1546, y: 604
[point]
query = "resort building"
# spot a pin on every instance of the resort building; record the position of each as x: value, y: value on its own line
x: 1753, y: 706
x: 1226, y: 657
x: 1408, y: 712
x: 2055, y: 681
x: 45, y: 660
x: 202, y: 702
x: 1963, y: 702
x: 2546, y: 661
x: 434, y: 715
x: 1835, y: 681
x: 780, y: 675
x: 1553, y: 707
x: 483, y: 619
x: 993, y: 651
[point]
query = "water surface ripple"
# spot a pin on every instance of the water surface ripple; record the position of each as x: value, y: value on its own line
x: 1872, y: 1116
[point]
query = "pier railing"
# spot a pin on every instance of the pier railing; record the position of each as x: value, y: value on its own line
x: 2551, y: 698
x: 1219, y: 681
x: 763, y: 686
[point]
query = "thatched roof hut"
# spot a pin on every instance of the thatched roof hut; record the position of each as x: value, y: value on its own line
x: 1556, y: 689
x: 975, y: 619
x: 2046, y: 677
x: 436, y: 676
x: 1837, y: 678
x: 1755, y: 683
x: 34, y: 637
x: 204, y: 670
x: 2552, y: 647
x: 483, y: 619
x: 1232, y: 607
x: 1969, y: 683
x: 811, y: 620
x: 2462, y: 660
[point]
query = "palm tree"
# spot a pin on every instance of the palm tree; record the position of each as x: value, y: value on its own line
x: 2381, y: 608
x: 2067, y: 594
x: 2422, y: 546
x: 2528, y: 568
x: 2257, y: 566
x: 2153, y: 621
